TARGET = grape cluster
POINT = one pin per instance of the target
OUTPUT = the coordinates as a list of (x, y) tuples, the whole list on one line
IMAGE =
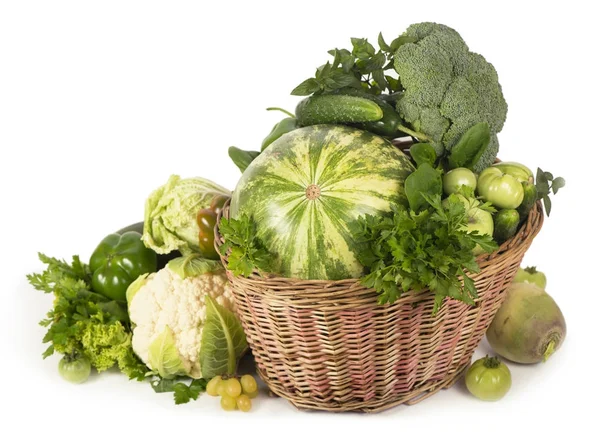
[(235, 393)]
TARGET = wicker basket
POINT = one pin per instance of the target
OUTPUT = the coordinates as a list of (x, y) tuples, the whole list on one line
[(327, 344)]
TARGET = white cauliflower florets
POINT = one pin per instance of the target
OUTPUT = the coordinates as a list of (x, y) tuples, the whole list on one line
[(165, 299)]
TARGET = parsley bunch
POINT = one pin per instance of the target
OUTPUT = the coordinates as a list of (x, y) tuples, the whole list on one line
[(246, 252), (83, 322), (412, 251)]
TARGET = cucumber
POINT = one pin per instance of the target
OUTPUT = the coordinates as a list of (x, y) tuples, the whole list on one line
[(506, 222), (529, 198), (387, 125), (162, 259), (334, 109)]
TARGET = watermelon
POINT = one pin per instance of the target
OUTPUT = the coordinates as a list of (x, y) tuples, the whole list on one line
[(304, 191)]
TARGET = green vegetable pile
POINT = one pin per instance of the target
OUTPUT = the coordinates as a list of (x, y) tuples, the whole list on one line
[(386, 172), (437, 86), (85, 324), (425, 84), (137, 311)]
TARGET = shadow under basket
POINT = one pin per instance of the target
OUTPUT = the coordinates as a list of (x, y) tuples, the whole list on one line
[(328, 345)]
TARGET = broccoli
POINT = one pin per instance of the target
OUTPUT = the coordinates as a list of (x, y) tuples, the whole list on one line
[(447, 89)]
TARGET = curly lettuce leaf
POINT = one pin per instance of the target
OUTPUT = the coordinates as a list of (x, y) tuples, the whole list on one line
[(223, 341)]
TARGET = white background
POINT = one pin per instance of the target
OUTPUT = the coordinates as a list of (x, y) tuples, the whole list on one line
[(101, 101)]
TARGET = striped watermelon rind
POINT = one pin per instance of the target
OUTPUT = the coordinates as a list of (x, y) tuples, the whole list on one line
[(304, 191)]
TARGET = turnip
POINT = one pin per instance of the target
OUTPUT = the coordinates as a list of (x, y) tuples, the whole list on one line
[(529, 326)]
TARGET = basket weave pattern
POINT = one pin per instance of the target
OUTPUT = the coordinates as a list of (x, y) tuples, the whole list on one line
[(328, 345)]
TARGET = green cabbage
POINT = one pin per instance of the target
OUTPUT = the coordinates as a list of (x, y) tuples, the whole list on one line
[(170, 213), (223, 341), (163, 356)]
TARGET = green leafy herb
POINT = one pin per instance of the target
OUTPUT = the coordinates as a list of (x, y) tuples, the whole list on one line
[(242, 158), (544, 183), (246, 253), (423, 182), (182, 391), (362, 68), (471, 146), (85, 322), (223, 341), (412, 251)]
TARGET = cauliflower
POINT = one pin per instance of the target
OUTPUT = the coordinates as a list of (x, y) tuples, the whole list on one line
[(169, 311)]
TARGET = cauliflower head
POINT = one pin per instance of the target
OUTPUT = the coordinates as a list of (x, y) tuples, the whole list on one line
[(169, 312)]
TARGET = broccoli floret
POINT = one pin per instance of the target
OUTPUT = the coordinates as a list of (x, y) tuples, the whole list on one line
[(448, 89)]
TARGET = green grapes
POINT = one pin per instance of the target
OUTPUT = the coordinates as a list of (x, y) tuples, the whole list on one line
[(228, 403), (212, 388), (243, 403)]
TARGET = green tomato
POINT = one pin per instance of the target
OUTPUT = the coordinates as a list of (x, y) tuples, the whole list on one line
[(488, 379), (516, 170), (531, 275), (456, 178), (206, 220), (502, 190), (75, 369)]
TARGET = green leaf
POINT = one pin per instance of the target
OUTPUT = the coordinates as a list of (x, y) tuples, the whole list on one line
[(470, 147), (162, 385), (379, 78), (557, 184), (306, 87), (242, 158), (361, 48), (194, 265), (423, 153), (339, 79), (394, 84), (424, 181), (402, 39), (337, 57), (223, 341), (245, 251), (547, 204), (382, 44), (48, 352), (545, 181), (323, 71), (164, 357), (184, 393)]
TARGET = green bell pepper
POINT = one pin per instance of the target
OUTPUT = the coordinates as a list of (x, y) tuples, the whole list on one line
[(284, 126), (117, 261)]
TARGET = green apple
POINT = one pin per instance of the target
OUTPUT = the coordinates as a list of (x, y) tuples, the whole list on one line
[(480, 221)]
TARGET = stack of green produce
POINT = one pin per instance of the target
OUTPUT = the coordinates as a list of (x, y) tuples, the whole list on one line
[(328, 196), (157, 306)]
